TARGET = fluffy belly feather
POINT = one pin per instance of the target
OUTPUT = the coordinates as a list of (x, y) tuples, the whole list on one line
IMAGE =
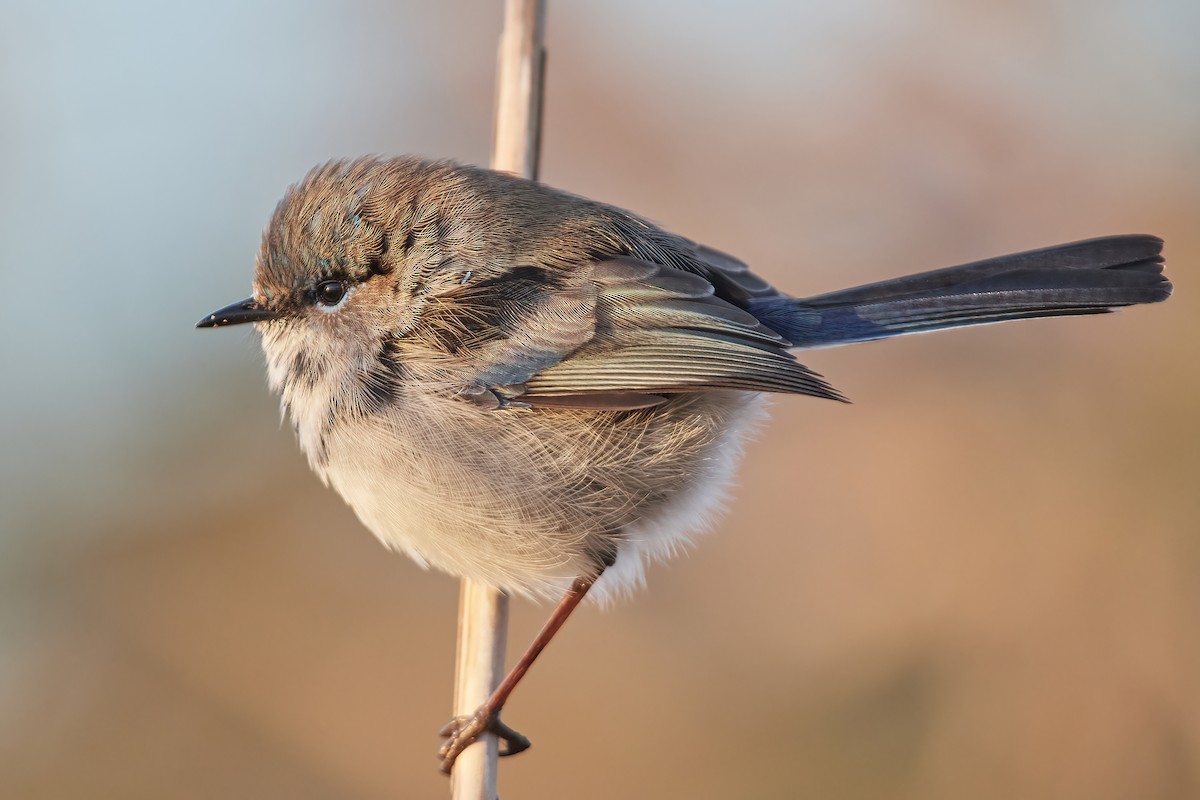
[(528, 500)]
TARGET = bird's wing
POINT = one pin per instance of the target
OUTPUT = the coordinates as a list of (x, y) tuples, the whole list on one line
[(502, 330), (730, 277), (658, 330)]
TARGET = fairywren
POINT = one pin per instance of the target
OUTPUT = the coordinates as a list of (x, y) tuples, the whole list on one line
[(545, 393)]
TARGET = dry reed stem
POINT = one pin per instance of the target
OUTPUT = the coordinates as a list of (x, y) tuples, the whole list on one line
[(483, 612)]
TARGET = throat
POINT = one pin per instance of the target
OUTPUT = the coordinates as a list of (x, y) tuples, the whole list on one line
[(310, 408), (322, 389)]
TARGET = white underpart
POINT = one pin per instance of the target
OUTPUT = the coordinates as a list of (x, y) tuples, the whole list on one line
[(673, 528), (400, 471)]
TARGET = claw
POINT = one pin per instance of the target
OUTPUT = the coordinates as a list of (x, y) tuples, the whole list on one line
[(461, 732)]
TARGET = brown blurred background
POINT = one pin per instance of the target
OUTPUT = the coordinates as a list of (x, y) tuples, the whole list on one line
[(981, 580)]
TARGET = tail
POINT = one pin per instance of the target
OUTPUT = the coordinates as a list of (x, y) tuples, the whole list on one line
[(1089, 277)]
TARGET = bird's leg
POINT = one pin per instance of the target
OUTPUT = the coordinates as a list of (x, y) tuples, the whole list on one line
[(462, 731)]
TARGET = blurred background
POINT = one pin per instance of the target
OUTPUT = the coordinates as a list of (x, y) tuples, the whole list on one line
[(981, 580)]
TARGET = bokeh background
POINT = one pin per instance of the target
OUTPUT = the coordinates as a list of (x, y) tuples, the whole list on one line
[(981, 580)]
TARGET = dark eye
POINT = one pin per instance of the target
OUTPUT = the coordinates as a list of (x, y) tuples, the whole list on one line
[(330, 293)]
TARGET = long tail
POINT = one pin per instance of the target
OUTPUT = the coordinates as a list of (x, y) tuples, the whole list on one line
[(1088, 277)]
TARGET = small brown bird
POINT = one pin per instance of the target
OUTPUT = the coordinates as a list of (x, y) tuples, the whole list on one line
[(545, 393)]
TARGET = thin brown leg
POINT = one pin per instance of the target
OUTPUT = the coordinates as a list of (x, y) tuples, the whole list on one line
[(462, 731)]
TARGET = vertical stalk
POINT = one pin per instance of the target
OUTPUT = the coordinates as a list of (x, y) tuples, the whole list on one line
[(483, 612)]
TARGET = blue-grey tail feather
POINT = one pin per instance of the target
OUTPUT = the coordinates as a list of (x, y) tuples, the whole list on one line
[(1088, 277)]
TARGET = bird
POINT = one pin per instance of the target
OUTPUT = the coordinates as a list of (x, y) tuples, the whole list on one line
[(545, 393)]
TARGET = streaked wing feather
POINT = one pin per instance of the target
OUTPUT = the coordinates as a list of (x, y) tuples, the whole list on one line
[(508, 329), (659, 329), (731, 276), (597, 401)]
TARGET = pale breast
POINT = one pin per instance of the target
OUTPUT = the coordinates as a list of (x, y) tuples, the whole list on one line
[(528, 500)]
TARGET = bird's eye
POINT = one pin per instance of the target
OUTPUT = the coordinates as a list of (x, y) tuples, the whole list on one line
[(330, 293)]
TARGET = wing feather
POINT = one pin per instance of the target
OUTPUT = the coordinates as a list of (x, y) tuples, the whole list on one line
[(662, 330)]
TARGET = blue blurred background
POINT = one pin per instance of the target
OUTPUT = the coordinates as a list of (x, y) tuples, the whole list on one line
[(981, 580)]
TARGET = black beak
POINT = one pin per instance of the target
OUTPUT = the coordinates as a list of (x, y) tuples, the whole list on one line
[(236, 314)]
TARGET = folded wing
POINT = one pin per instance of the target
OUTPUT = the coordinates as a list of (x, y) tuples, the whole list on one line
[(660, 330)]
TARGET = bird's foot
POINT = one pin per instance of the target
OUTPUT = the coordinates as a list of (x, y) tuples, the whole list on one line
[(461, 732)]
